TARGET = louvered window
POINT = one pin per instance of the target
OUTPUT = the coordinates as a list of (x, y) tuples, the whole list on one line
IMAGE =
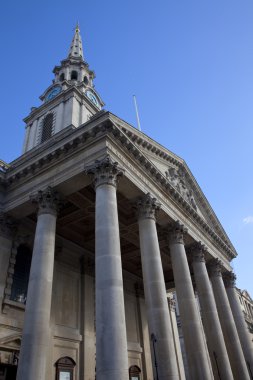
[(21, 274), (74, 75), (47, 127)]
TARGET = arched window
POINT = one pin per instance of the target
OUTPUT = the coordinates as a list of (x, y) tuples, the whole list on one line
[(74, 75), (62, 77), (134, 373), (21, 274), (85, 80), (47, 127), (65, 368)]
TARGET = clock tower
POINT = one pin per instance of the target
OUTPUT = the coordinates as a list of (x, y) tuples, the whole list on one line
[(69, 101)]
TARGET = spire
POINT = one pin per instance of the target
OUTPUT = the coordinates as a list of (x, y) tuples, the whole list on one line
[(76, 48)]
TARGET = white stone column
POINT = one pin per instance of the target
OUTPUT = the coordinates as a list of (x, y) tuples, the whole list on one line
[(111, 341), (197, 355), (232, 341), (215, 340), (242, 329), (173, 321), (36, 331), (88, 347), (155, 292)]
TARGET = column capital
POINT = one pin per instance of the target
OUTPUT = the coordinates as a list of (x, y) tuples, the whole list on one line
[(48, 201), (176, 233), (105, 172), (197, 251), (8, 226), (147, 207), (229, 279), (214, 267)]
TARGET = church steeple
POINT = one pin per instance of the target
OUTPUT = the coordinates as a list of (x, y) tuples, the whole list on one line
[(69, 101), (76, 48)]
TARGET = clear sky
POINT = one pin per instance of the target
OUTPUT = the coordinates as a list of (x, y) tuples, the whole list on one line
[(190, 64)]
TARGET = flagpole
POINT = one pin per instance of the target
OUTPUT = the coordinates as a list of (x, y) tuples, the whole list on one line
[(137, 113)]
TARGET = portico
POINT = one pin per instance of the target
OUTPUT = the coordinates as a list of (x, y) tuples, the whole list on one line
[(112, 221)]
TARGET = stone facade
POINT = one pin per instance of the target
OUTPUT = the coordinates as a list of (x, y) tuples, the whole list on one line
[(98, 222)]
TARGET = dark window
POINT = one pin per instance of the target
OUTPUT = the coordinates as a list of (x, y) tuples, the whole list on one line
[(134, 373), (21, 274), (47, 127), (62, 77), (74, 75), (65, 368), (85, 80)]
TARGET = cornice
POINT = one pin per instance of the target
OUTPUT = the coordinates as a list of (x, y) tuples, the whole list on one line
[(65, 141), (172, 192), (71, 139), (158, 150)]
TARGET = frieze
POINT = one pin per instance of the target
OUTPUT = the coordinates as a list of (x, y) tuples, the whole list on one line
[(82, 135)]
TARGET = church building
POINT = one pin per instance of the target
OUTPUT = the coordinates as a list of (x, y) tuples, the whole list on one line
[(99, 223)]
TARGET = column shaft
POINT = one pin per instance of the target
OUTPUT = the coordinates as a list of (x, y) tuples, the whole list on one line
[(196, 351), (156, 302), (111, 340), (36, 331), (232, 341), (215, 341), (240, 322)]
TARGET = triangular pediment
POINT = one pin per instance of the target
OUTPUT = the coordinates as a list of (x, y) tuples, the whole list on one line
[(12, 341), (177, 174)]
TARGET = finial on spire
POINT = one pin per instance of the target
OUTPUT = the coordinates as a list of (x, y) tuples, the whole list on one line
[(76, 48)]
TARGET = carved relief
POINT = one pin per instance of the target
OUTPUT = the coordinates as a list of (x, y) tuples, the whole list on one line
[(176, 178), (197, 251), (176, 233), (147, 207), (229, 279), (105, 171), (214, 267), (48, 201)]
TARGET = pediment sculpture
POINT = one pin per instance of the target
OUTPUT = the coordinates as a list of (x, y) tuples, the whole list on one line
[(177, 179)]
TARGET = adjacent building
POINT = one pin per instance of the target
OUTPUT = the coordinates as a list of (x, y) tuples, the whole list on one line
[(98, 223)]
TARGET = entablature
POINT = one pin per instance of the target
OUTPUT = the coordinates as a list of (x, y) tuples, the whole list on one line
[(69, 142)]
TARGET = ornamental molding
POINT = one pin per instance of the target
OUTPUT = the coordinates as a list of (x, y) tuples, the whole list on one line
[(214, 267), (73, 140), (176, 178), (105, 172), (159, 151), (229, 279), (147, 207), (48, 201), (176, 233), (197, 251)]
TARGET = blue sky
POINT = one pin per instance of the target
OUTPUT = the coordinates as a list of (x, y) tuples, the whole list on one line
[(190, 64)]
